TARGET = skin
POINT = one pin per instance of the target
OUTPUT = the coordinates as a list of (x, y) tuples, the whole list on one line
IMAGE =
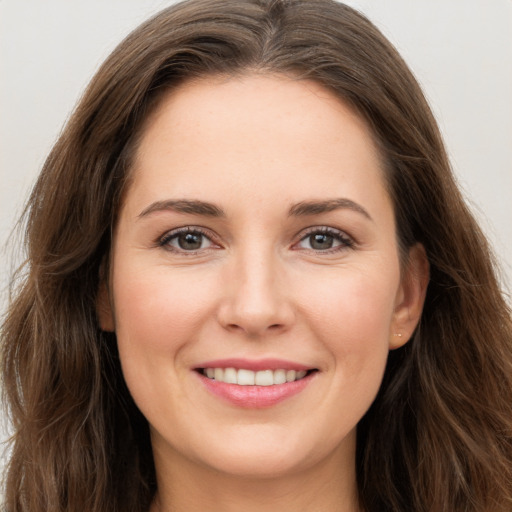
[(258, 287)]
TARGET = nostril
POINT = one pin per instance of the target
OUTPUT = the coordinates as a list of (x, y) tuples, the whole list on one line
[(234, 327), (237, 327)]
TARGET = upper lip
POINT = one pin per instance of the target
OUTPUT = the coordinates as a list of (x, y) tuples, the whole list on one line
[(254, 364)]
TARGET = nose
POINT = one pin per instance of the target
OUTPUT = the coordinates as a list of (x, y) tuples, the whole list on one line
[(256, 299)]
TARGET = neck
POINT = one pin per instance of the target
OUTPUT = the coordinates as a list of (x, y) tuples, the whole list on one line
[(184, 486)]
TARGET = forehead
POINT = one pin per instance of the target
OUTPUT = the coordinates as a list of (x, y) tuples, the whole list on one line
[(253, 100), (218, 133)]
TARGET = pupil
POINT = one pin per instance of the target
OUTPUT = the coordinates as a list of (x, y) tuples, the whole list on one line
[(321, 241), (190, 241)]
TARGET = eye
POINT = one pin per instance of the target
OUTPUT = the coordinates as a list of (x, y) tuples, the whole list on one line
[(187, 239), (325, 240)]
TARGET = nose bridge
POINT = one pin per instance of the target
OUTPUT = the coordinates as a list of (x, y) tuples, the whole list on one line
[(257, 299)]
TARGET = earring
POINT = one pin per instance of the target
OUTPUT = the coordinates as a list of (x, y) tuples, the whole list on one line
[(399, 335)]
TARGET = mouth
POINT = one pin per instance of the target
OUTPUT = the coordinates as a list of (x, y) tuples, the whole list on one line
[(254, 384), (246, 377)]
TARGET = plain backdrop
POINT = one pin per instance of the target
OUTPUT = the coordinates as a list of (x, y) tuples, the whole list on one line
[(460, 50)]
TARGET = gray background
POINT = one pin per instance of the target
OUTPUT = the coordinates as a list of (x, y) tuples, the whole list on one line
[(460, 50)]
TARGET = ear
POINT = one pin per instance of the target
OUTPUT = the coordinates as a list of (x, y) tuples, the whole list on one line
[(104, 309), (410, 297)]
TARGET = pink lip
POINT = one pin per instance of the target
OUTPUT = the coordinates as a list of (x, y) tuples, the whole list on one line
[(254, 365), (254, 397)]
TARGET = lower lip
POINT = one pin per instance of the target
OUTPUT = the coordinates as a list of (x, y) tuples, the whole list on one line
[(255, 397)]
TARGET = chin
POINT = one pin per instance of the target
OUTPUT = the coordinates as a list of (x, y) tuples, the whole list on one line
[(261, 464), (265, 451)]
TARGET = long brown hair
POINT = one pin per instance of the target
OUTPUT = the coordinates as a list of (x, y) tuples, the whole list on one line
[(439, 435)]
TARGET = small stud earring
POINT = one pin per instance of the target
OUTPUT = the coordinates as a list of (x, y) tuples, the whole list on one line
[(399, 335)]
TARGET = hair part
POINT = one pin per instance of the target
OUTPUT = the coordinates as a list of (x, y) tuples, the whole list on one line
[(438, 436)]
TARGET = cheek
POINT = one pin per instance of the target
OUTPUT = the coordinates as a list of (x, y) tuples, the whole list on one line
[(156, 318), (353, 305), (352, 319), (158, 314), (155, 311)]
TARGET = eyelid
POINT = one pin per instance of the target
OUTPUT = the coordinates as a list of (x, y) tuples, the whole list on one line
[(163, 240), (346, 241)]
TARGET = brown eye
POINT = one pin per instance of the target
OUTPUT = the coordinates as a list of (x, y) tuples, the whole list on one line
[(190, 241), (321, 241), (325, 240), (186, 240)]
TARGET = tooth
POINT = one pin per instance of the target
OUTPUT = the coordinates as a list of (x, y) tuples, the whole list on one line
[(245, 378), (279, 376), (290, 375), (264, 378), (230, 376)]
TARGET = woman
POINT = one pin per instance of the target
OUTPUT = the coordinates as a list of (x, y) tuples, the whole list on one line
[(246, 248)]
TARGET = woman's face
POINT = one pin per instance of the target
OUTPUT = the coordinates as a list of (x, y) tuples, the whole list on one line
[(256, 288)]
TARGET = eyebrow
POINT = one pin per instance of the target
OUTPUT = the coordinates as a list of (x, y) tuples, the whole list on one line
[(203, 208), (329, 205), (193, 207)]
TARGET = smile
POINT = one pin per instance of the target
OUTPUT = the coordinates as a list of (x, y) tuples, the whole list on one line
[(244, 377), (254, 384)]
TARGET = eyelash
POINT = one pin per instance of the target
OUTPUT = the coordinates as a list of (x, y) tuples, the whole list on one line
[(164, 241), (345, 241)]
